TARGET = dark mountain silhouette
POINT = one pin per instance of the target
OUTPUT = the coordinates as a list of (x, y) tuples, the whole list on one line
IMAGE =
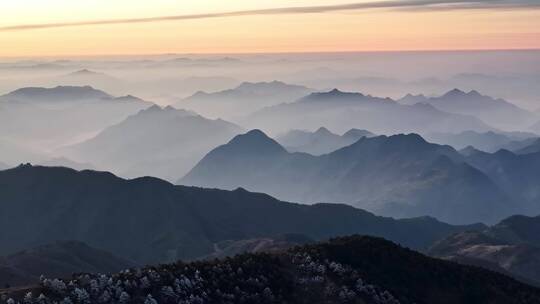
[(487, 142), (58, 260), (354, 269), (46, 118), (321, 141), (341, 111), (496, 112), (516, 174), (244, 99), (512, 246), (66, 162), (148, 220), (401, 175), (162, 142)]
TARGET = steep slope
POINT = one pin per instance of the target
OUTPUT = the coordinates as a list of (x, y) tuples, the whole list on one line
[(161, 142), (341, 111), (400, 175), (244, 99), (321, 141), (512, 247), (59, 259), (496, 112), (47, 118), (149, 220), (346, 270)]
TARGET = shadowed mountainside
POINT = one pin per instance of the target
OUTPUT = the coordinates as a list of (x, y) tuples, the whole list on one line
[(172, 222)]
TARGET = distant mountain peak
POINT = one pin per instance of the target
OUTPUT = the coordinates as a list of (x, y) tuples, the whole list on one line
[(153, 108), (256, 140), (357, 133), (333, 95), (84, 72), (469, 151), (411, 137), (457, 93), (474, 93), (323, 131), (454, 93)]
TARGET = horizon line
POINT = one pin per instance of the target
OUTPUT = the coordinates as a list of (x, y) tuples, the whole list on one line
[(281, 52)]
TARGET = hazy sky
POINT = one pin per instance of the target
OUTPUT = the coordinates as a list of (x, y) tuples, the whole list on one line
[(402, 25)]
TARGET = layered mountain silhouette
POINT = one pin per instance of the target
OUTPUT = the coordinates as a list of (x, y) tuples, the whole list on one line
[(148, 220), (516, 174), (512, 246), (533, 147), (411, 99), (487, 142), (341, 111), (244, 99), (161, 142), (321, 141), (401, 175), (354, 269), (60, 259), (60, 94), (496, 112), (46, 118)]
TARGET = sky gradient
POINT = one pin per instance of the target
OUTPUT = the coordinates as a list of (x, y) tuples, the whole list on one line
[(243, 26)]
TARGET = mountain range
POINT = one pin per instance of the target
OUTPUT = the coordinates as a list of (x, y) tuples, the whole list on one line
[(495, 112), (516, 174), (400, 175), (511, 246), (321, 141), (171, 222), (488, 141), (47, 118), (160, 142), (341, 111), (246, 98)]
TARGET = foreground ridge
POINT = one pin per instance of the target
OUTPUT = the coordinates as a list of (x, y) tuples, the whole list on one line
[(353, 269)]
